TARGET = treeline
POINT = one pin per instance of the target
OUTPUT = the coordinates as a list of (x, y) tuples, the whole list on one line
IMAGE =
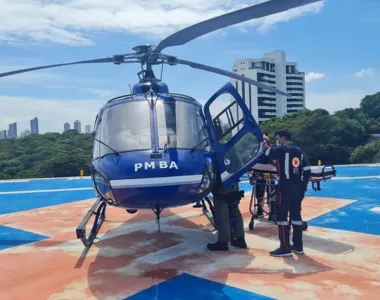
[(46, 155), (341, 138)]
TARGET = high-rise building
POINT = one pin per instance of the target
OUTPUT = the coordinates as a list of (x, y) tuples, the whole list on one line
[(78, 126), (3, 134), (12, 131), (66, 126), (34, 126), (275, 71), (25, 133), (87, 129)]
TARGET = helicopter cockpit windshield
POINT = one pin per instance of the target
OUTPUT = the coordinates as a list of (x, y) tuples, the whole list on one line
[(126, 127), (180, 125)]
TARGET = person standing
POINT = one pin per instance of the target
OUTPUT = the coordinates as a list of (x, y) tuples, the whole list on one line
[(294, 174), (226, 206)]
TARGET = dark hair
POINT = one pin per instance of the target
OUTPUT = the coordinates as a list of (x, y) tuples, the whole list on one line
[(265, 133), (284, 133)]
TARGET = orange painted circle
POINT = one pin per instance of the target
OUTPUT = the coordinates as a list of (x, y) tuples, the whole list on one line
[(296, 162)]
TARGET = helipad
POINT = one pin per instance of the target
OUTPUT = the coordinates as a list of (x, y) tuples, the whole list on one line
[(40, 257)]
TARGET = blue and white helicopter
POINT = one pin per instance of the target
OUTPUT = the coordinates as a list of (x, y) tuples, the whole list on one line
[(153, 149)]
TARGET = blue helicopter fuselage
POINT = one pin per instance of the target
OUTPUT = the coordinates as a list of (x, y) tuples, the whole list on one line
[(137, 182), (152, 151)]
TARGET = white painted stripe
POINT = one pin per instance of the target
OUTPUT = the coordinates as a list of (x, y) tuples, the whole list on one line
[(376, 210), (359, 177), (46, 191), (14, 180), (156, 181)]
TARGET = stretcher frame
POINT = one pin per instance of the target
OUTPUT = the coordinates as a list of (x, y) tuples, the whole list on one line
[(271, 176), (270, 183)]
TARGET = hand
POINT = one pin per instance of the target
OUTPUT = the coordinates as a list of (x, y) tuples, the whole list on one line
[(266, 141)]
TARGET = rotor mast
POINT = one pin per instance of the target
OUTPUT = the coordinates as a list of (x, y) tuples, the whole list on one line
[(147, 79)]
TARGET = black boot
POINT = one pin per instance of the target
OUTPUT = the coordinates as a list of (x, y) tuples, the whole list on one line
[(239, 242), (284, 249), (297, 246), (218, 246)]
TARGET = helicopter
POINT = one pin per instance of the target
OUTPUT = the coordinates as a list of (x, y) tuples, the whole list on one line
[(154, 149)]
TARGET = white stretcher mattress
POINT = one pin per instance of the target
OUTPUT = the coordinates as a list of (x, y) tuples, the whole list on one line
[(316, 172)]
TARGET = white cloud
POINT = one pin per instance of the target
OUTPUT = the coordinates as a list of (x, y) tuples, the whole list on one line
[(334, 101), (49, 80), (365, 72), (74, 22), (98, 92), (52, 113), (313, 76)]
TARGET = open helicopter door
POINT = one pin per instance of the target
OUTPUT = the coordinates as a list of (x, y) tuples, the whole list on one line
[(236, 136)]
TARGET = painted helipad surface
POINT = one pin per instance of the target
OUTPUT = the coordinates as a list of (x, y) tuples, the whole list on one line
[(40, 257)]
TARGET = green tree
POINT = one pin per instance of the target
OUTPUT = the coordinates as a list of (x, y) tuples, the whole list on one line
[(323, 136), (369, 153), (46, 155)]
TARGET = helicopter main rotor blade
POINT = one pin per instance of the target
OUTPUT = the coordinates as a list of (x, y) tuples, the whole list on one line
[(115, 59), (252, 12), (232, 75)]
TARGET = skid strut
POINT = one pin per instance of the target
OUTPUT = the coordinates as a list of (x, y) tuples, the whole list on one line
[(208, 211), (100, 215), (158, 212)]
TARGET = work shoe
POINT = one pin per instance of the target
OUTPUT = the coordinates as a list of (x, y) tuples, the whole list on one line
[(239, 242), (297, 250), (218, 246), (281, 252)]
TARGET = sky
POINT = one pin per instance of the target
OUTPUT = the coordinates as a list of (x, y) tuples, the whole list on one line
[(334, 42)]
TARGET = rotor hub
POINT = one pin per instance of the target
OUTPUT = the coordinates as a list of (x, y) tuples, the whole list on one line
[(142, 48)]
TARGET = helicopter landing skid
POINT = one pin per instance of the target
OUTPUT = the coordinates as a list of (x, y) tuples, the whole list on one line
[(100, 216)]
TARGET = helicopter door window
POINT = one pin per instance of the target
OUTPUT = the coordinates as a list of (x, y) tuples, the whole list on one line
[(179, 125), (241, 152), (228, 119), (125, 127)]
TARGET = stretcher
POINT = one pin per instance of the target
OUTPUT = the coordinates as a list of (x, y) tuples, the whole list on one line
[(266, 175)]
